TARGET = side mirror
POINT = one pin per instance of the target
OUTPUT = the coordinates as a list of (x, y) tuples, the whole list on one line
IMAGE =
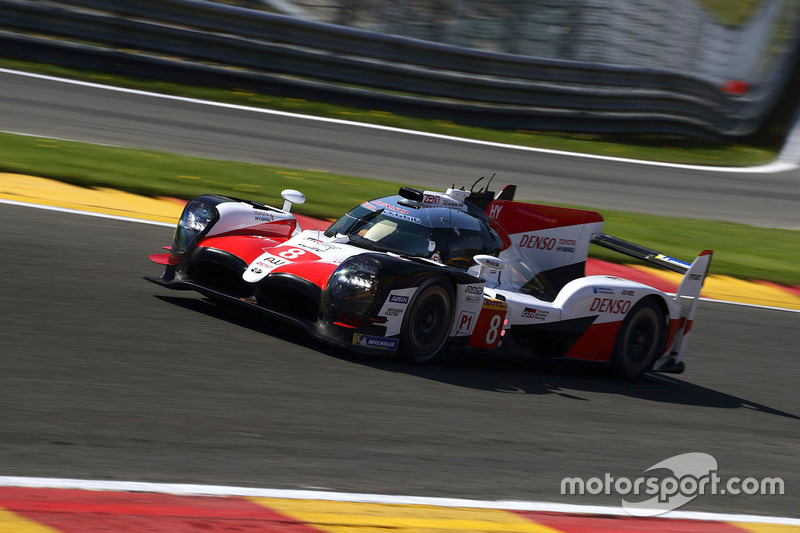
[(488, 261), (292, 196)]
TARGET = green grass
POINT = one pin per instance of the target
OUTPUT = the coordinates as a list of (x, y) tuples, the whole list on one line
[(155, 173), (641, 147), (741, 251)]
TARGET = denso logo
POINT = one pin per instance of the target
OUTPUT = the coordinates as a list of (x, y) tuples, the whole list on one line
[(537, 242), (473, 289), (610, 305)]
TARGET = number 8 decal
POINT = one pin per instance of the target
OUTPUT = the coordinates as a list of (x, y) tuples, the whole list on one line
[(292, 253), (494, 329)]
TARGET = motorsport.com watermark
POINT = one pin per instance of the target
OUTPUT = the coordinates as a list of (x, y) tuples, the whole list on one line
[(693, 474)]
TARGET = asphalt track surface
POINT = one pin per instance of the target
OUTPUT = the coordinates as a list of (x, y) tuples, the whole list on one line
[(49, 108), (106, 376)]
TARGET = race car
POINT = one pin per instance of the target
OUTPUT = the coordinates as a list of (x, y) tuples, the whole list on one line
[(424, 272)]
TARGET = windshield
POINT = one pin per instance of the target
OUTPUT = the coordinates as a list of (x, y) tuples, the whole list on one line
[(384, 229)]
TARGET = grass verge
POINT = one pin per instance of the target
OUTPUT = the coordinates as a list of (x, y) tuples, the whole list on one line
[(741, 251), (692, 152)]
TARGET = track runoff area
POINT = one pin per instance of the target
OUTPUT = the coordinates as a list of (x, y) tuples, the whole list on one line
[(41, 505)]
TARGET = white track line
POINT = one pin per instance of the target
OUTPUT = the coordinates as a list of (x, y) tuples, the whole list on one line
[(86, 213), (506, 505), (172, 225), (788, 160)]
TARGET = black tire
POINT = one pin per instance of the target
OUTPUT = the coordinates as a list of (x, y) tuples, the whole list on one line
[(427, 321), (640, 340)]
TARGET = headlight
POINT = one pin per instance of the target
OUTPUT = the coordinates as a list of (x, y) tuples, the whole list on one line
[(196, 217), (355, 278)]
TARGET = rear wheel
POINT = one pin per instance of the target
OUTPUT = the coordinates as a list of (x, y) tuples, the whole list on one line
[(427, 322), (639, 340)]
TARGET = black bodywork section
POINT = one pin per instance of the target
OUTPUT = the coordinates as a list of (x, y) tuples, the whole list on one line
[(551, 339), (218, 274)]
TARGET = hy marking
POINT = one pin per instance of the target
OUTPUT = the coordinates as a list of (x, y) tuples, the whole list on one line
[(789, 159), (505, 505)]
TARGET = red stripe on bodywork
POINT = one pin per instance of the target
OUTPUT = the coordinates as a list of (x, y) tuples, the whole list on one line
[(517, 217), (316, 272), (596, 267), (246, 247), (626, 524), (674, 326), (597, 343), (79, 511), (163, 259)]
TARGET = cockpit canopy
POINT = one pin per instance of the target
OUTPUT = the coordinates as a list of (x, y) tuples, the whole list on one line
[(445, 234)]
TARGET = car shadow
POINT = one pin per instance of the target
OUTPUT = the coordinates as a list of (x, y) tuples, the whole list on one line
[(566, 378)]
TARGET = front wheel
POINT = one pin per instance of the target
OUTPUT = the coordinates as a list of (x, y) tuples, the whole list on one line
[(639, 340), (426, 325)]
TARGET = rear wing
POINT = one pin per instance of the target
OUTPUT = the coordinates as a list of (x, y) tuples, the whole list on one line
[(694, 274), (640, 252)]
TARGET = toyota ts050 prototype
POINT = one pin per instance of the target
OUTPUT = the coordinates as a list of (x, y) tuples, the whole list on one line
[(423, 272)]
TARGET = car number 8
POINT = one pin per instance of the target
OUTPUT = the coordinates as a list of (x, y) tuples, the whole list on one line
[(494, 327), (292, 253)]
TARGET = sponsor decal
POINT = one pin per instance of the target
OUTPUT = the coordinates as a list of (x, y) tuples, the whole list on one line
[(390, 207), (256, 270), (695, 277), (401, 216), (494, 211), (395, 299), (472, 299), (473, 289), (628, 293), (393, 311), (537, 242), (465, 321), (670, 260), (567, 242), (536, 314), (391, 210), (378, 343), (493, 303), (602, 290), (263, 216), (435, 199), (315, 245), (494, 263), (566, 249), (610, 305), (271, 262)]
